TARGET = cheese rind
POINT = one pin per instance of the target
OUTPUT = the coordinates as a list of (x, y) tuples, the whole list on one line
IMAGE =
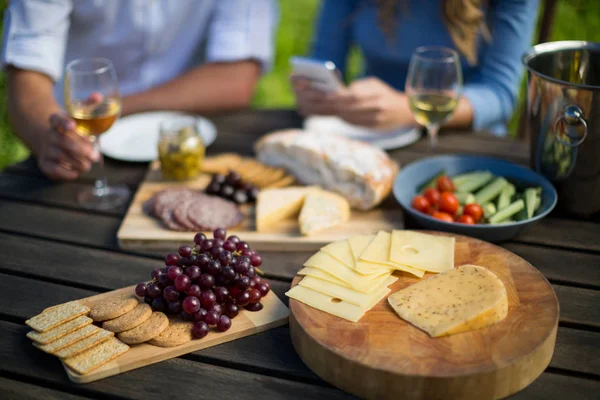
[(426, 252), (459, 300), (378, 253), (346, 294)]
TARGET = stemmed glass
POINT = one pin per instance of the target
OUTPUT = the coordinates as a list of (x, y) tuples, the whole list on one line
[(92, 100), (433, 86)]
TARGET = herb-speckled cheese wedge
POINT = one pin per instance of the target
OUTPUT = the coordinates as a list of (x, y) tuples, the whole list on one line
[(462, 299)]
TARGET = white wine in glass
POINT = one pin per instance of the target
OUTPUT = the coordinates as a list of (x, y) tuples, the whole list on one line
[(92, 100), (433, 86)]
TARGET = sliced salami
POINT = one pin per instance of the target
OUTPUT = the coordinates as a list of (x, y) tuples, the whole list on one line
[(169, 199), (211, 212), (180, 214)]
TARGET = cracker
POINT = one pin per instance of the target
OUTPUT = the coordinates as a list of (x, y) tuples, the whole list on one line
[(57, 315), (68, 340), (100, 336), (271, 175), (148, 330), (130, 319), (221, 163), (250, 169), (59, 331), (178, 332), (283, 182), (97, 356), (113, 307)]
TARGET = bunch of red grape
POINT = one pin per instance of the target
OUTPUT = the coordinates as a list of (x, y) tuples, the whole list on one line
[(208, 283)]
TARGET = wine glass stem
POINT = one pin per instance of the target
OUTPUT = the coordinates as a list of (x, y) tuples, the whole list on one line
[(433, 135), (100, 184)]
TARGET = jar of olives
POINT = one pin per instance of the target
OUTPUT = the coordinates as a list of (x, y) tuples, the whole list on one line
[(180, 148)]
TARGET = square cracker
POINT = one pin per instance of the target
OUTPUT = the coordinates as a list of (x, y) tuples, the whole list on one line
[(69, 339), (96, 356), (57, 315), (283, 182), (59, 331), (82, 345), (221, 163)]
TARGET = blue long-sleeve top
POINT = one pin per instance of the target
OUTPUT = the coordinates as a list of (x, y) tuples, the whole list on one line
[(491, 86)]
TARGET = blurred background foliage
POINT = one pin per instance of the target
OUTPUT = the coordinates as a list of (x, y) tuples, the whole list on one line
[(574, 19)]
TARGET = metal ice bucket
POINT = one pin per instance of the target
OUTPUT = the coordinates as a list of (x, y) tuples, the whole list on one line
[(563, 120)]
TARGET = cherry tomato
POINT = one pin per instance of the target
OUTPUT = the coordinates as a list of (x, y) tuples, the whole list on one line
[(420, 203), (433, 195), (442, 216), (448, 203), (474, 210), (466, 219), (432, 210), (445, 184)]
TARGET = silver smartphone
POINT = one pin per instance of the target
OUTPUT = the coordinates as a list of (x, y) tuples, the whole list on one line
[(323, 74)]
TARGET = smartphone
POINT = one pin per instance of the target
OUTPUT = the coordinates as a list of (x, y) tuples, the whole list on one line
[(323, 74)]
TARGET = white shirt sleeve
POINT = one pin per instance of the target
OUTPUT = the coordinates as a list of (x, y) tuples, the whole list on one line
[(241, 30), (35, 35)]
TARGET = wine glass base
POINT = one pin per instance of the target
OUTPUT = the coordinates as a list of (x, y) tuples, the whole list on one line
[(110, 197)]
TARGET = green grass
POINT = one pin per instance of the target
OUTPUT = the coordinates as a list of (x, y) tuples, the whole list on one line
[(575, 19)]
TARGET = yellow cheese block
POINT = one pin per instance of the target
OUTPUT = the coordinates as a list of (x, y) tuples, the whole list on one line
[(378, 252), (327, 263), (340, 250), (276, 205), (459, 300), (322, 275), (332, 305), (322, 210), (349, 295), (419, 250)]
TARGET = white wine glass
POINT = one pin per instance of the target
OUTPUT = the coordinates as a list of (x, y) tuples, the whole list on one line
[(92, 100), (433, 87)]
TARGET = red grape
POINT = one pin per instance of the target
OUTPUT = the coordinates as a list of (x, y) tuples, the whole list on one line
[(242, 298), (256, 260), (252, 284), (174, 307), (155, 272), (217, 308), (153, 291), (228, 274), (242, 265), (240, 246), (220, 233), (233, 239), (199, 238), (251, 272), (255, 296), (254, 307), (263, 288), (194, 290), (243, 283), (140, 289), (225, 257), (247, 252), (211, 318), (193, 272), (193, 259), (206, 281), (213, 267), (234, 291), (171, 259), (218, 242), (224, 323), (185, 250), (174, 271), (158, 304), (190, 304), (163, 280), (207, 244), (200, 314), (200, 329), (208, 299), (182, 283), (170, 293), (229, 246), (231, 310), (221, 293), (215, 251), (202, 260)]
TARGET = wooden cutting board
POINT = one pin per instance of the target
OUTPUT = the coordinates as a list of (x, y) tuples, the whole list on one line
[(141, 232), (273, 314), (385, 357)]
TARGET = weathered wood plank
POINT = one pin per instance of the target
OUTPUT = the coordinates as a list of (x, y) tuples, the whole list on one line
[(578, 306), (578, 351), (564, 233), (554, 386), (16, 390), (176, 377)]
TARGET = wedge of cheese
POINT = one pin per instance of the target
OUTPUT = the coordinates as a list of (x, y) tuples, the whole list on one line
[(459, 300), (276, 205), (344, 293), (322, 210), (426, 252), (378, 252)]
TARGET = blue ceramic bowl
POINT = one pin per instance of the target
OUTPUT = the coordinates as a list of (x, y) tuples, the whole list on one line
[(415, 174)]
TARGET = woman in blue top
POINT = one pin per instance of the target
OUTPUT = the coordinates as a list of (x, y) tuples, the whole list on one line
[(490, 39)]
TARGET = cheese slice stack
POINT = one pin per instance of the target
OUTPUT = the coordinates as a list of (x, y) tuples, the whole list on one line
[(462, 299)]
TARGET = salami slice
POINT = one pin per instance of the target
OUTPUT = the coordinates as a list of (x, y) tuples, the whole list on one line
[(169, 199), (180, 214), (211, 212)]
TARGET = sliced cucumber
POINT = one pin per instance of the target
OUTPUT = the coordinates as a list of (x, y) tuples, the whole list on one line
[(465, 198), (473, 182), (531, 194), (491, 191), (431, 182), (461, 178), (505, 196), (507, 212), (489, 209)]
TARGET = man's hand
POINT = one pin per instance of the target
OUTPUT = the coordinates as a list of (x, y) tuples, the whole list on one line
[(63, 153)]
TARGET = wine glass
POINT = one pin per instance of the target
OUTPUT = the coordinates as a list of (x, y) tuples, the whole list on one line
[(92, 100), (433, 86)]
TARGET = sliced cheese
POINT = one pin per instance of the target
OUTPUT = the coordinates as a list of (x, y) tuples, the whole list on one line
[(459, 300), (341, 292), (332, 305), (322, 210), (320, 274), (340, 250), (378, 252), (358, 244), (276, 205), (422, 251), (327, 263)]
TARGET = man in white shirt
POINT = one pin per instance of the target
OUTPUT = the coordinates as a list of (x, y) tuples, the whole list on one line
[(198, 56)]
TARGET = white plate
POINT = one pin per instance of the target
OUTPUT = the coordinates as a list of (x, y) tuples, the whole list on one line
[(135, 137), (384, 139)]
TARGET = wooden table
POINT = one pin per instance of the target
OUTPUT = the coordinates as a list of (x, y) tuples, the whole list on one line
[(52, 251)]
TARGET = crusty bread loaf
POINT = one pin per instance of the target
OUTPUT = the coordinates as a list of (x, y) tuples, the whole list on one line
[(360, 172)]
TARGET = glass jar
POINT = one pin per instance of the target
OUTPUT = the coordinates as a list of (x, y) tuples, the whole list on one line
[(180, 148)]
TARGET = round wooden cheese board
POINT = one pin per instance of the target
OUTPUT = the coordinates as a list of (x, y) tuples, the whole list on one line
[(384, 357)]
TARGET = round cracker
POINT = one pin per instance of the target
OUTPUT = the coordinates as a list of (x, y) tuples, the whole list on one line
[(113, 307), (178, 332), (129, 320), (147, 330)]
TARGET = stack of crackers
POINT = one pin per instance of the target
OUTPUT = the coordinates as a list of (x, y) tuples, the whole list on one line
[(250, 170)]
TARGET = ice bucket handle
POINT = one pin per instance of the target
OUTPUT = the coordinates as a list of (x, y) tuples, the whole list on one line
[(572, 116)]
